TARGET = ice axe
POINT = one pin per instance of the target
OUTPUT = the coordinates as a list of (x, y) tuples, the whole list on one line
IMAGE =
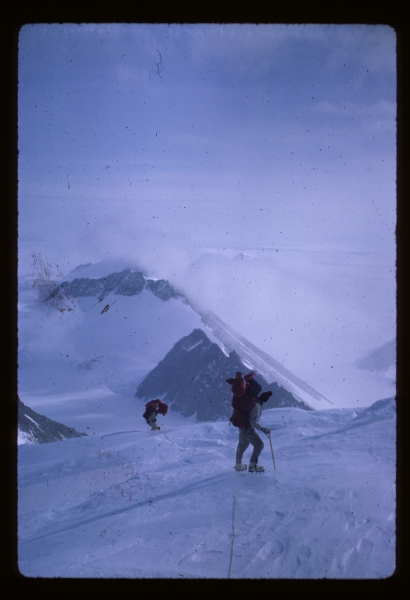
[(271, 449)]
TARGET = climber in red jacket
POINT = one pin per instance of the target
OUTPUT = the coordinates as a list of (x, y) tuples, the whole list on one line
[(152, 409)]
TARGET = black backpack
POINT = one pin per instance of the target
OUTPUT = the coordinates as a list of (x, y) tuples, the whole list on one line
[(253, 389)]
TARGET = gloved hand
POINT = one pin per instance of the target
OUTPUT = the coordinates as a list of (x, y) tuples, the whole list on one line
[(266, 430), (264, 397)]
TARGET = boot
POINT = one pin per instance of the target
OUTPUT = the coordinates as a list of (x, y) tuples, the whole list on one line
[(155, 428), (240, 467), (254, 468)]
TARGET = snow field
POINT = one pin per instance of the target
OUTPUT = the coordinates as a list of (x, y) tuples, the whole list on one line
[(83, 349), (161, 505)]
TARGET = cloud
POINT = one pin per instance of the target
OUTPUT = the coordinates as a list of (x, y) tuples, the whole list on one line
[(248, 46), (376, 110), (372, 47), (160, 254), (201, 157)]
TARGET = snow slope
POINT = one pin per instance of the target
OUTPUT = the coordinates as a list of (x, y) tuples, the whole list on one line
[(87, 349), (168, 504)]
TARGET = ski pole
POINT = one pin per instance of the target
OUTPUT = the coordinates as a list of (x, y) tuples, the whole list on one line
[(271, 448)]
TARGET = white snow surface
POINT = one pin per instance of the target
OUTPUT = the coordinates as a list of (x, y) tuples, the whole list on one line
[(82, 350), (134, 503)]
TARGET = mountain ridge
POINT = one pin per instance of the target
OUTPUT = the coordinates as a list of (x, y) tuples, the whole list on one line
[(130, 282), (192, 378), (124, 283), (261, 361), (34, 428), (119, 328)]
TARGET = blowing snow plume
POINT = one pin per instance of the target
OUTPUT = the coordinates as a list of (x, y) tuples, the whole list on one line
[(261, 362)]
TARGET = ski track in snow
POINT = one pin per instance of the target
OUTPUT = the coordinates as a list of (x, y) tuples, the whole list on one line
[(110, 506)]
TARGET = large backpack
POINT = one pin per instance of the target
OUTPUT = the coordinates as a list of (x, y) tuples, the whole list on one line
[(253, 389), (241, 409), (150, 408), (238, 385), (243, 403)]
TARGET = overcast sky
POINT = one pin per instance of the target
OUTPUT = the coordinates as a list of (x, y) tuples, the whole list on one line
[(184, 147), (222, 136)]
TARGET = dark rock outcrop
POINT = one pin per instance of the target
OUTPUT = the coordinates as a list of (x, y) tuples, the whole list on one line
[(192, 379), (38, 429), (126, 283)]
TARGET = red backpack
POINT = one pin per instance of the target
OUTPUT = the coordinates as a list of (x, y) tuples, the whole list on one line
[(150, 408), (242, 403), (238, 385), (241, 409)]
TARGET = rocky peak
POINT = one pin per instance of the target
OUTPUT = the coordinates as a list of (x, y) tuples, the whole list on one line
[(34, 428), (125, 283), (192, 379)]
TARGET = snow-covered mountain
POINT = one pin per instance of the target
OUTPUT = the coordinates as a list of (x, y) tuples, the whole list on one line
[(93, 333), (261, 362), (381, 359), (34, 428), (192, 379), (125, 283), (99, 332)]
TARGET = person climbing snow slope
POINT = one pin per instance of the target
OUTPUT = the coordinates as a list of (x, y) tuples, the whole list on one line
[(152, 409), (247, 412)]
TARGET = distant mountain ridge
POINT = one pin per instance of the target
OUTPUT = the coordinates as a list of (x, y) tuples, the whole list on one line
[(125, 283), (380, 359), (145, 337), (34, 428), (132, 282), (192, 379), (267, 366)]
